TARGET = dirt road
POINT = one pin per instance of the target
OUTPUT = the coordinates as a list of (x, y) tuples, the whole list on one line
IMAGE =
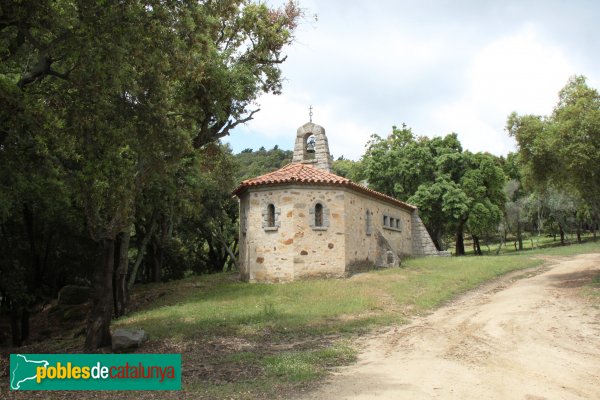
[(529, 335)]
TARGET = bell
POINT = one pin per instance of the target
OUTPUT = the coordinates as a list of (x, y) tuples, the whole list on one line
[(310, 145)]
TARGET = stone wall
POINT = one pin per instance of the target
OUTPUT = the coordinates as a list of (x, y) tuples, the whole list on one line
[(318, 251), (422, 245), (296, 248), (266, 255), (372, 245)]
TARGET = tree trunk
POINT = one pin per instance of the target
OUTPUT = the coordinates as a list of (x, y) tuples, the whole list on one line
[(221, 238), (120, 275), (212, 257), (235, 250), (156, 256), (16, 311), (519, 236), (35, 279), (562, 234), (141, 251), (159, 242), (3, 301), (19, 323), (476, 246), (439, 241), (501, 243), (25, 323), (98, 323), (460, 241), (29, 220), (540, 223), (579, 232)]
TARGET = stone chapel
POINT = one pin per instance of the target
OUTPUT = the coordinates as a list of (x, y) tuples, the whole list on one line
[(304, 221)]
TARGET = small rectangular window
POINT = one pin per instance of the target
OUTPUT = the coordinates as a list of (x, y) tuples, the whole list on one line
[(318, 214), (319, 217), (271, 216), (392, 223)]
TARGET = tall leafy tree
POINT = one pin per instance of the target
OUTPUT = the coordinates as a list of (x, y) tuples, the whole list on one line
[(455, 190), (515, 209), (443, 206), (564, 148), (398, 164), (483, 182), (131, 89)]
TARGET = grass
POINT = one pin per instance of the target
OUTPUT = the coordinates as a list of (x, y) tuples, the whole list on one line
[(573, 249), (220, 305), (298, 366), (293, 333), (530, 243), (315, 307)]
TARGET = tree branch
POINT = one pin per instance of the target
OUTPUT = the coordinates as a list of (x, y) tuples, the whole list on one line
[(232, 124), (218, 130), (269, 61), (40, 70)]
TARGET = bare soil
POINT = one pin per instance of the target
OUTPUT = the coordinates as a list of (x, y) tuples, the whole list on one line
[(528, 335)]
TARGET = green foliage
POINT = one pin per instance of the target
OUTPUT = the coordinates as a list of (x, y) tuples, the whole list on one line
[(398, 164), (348, 169), (255, 163), (453, 189), (441, 205), (563, 149), (107, 109)]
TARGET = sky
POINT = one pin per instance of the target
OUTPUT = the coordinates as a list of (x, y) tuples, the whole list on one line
[(437, 66)]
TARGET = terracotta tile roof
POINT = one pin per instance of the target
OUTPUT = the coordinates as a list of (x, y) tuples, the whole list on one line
[(307, 174)]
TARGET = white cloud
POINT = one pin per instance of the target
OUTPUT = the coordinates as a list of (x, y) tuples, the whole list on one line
[(516, 73), (440, 68), (281, 115), (519, 72)]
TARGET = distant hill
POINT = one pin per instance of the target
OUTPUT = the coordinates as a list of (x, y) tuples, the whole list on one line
[(254, 163)]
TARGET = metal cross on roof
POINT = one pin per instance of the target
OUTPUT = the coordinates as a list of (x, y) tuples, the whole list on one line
[(310, 113)]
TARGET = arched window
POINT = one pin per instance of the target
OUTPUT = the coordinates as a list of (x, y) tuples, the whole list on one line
[(270, 215), (319, 214), (311, 143)]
